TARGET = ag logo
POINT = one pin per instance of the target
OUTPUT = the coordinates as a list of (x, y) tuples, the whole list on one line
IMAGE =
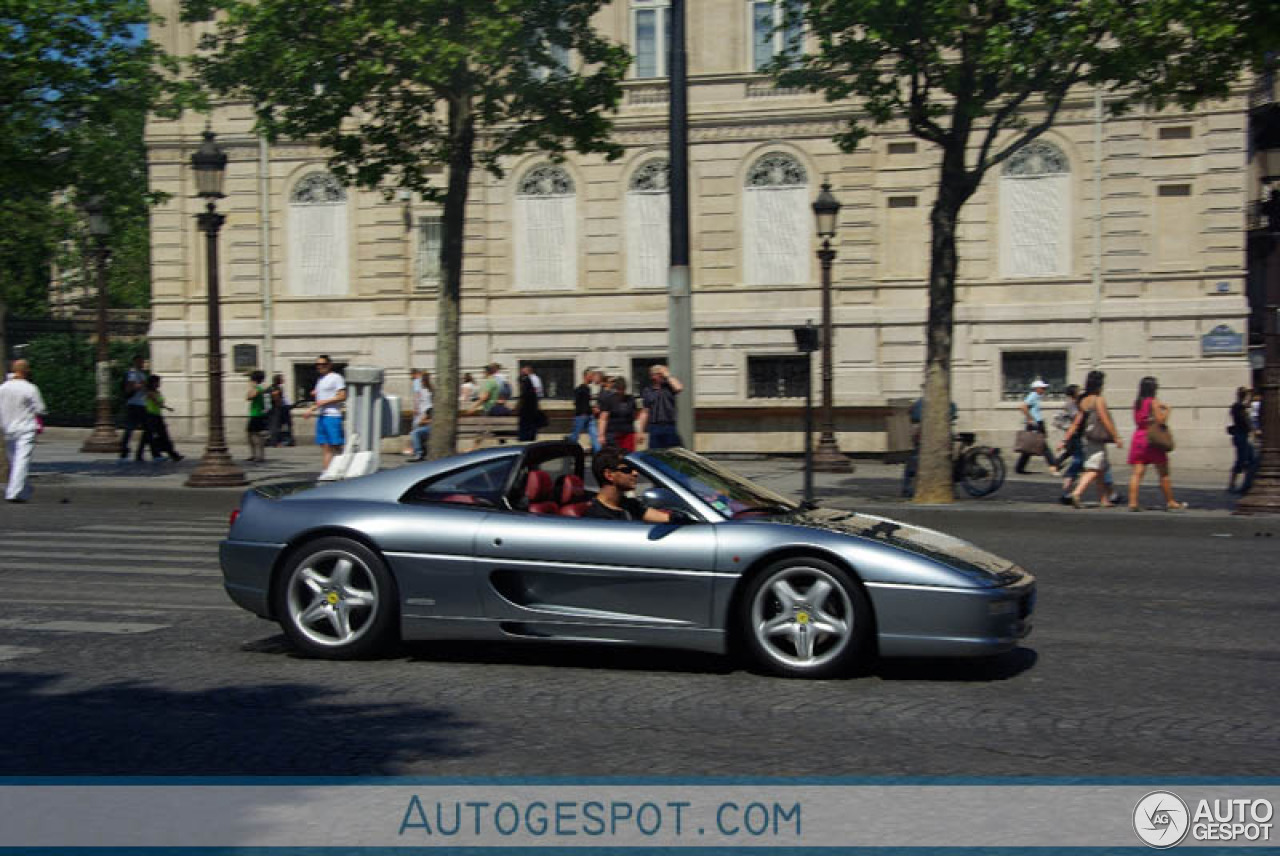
[(1161, 819)]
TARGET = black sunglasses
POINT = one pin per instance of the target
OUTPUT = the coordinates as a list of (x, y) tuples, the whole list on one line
[(625, 469)]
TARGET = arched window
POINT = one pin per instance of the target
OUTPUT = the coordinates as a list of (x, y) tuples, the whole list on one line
[(776, 222), (1035, 212), (648, 229), (318, 243), (546, 229)]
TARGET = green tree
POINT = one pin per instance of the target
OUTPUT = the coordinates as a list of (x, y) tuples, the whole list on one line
[(77, 79), (980, 79), (395, 89)]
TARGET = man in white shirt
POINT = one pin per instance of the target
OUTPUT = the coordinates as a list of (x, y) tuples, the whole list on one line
[(20, 404), (330, 391)]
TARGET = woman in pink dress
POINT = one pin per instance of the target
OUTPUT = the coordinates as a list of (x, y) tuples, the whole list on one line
[(1147, 410)]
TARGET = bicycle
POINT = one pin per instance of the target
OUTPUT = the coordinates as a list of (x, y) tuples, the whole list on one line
[(978, 469)]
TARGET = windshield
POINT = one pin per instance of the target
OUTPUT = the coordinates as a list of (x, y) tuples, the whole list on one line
[(727, 492)]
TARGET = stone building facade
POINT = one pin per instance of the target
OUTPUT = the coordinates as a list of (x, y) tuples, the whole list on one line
[(1112, 242)]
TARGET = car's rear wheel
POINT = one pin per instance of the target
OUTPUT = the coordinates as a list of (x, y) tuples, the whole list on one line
[(336, 600), (805, 617)]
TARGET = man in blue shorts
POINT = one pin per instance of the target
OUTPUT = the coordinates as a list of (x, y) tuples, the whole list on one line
[(330, 391)]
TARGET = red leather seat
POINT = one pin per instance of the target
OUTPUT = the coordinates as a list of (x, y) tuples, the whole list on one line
[(537, 493), (572, 496)]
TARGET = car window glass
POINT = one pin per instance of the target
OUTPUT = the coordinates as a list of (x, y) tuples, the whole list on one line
[(478, 484)]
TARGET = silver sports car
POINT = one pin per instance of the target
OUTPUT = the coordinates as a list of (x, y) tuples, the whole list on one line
[(493, 545)]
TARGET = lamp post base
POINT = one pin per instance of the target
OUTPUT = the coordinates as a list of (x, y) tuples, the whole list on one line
[(1264, 494), (828, 458), (104, 440), (216, 469)]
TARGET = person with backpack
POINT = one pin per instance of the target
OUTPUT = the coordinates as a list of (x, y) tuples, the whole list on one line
[(156, 432), (135, 403), (494, 392), (257, 398)]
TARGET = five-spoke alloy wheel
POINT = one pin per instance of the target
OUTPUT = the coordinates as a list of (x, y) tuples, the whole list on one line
[(335, 599), (806, 618)]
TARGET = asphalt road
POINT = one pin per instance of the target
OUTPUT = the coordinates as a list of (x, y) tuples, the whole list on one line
[(1154, 654)]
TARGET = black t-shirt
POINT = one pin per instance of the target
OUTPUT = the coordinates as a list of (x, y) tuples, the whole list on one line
[(622, 414), (632, 509), (582, 400)]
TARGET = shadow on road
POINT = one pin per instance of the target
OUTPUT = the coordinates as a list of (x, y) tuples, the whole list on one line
[(131, 728), (1001, 667), (570, 655)]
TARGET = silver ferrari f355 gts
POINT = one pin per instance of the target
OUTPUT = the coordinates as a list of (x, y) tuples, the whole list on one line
[(493, 545)]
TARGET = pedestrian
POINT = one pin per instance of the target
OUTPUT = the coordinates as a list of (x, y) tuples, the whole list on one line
[(135, 404), (617, 479), (1241, 431), (415, 389), (659, 414), (1034, 421), (327, 397), (1094, 424), (422, 405), (534, 379), (20, 410), (1073, 450), (256, 395), (466, 392), (618, 417), (280, 416), (1147, 412), (491, 398), (529, 411), (156, 433), (585, 412)]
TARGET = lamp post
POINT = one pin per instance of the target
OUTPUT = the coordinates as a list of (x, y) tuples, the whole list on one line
[(826, 209), (215, 468), (807, 343), (1264, 495), (104, 438)]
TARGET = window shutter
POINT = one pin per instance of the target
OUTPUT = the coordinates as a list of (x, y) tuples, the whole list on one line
[(777, 235), (648, 240)]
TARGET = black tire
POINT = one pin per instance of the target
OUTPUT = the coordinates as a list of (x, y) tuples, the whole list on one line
[(336, 600), (981, 471), (787, 639)]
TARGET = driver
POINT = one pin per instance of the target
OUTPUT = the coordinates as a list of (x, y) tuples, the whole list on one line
[(617, 478)]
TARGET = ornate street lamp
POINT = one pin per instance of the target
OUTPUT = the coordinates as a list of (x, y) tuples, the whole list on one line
[(215, 468), (826, 210), (104, 438)]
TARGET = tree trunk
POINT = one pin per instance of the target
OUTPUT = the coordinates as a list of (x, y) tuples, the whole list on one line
[(934, 480), (444, 419)]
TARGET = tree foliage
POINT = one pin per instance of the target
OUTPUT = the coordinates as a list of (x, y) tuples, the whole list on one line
[(77, 79), (980, 79), (397, 89)]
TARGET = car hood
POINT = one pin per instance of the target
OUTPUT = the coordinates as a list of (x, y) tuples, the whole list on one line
[(938, 546)]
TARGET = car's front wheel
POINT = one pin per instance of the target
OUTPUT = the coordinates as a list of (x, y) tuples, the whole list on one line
[(336, 600), (806, 618)]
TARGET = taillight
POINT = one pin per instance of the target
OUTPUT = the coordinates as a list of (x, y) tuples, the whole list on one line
[(235, 514)]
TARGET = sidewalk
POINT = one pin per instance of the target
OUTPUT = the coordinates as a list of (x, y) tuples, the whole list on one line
[(58, 462)]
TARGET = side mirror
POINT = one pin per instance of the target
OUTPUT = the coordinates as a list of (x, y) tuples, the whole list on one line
[(664, 499)]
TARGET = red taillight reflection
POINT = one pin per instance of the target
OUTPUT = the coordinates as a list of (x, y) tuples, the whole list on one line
[(235, 513)]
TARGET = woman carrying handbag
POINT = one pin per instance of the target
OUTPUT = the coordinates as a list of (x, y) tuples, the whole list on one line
[(1094, 423), (1151, 445)]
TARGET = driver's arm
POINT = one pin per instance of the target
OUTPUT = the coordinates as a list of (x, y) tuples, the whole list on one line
[(653, 515)]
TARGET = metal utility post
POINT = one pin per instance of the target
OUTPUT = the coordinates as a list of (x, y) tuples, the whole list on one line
[(807, 343), (1264, 495), (103, 439), (679, 282), (826, 209), (216, 468)]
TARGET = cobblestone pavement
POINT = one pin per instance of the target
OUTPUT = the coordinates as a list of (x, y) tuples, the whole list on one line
[(1154, 654)]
